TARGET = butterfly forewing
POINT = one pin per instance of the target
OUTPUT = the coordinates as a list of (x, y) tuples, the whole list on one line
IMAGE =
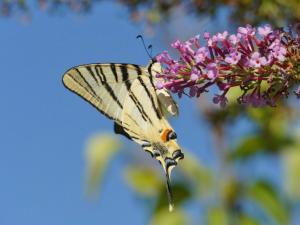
[(105, 86), (142, 118)]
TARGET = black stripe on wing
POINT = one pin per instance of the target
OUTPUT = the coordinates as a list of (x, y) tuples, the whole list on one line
[(82, 86), (114, 71), (104, 83), (92, 74), (83, 97), (131, 94), (151, 74), (155, 107), (100, 74), (125, 74), (132, 133), (87, 83), (139, 106)]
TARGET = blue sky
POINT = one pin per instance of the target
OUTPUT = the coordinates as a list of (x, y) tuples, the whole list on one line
[(44, 127)]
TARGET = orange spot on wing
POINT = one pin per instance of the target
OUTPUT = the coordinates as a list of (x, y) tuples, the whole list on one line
[(165, 134)]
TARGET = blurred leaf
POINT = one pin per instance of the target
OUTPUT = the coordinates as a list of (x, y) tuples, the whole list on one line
[(251, 145), (247, 147), (181, 192), (153, 16), (218, 117), (291, 167), (195, 172), (247, 220), (274, 119), (231, 191), (164, 217), (270, 134), (145, 181), (217, 216), (100, 150), (269, 200)]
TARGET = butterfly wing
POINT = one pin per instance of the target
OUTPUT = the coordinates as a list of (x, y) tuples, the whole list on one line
[(105, 86), (166, 102), (143, 121), (142, 111), (164, 97), (126, 94)]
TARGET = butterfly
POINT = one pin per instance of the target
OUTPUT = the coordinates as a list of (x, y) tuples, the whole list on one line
[(126, 94)]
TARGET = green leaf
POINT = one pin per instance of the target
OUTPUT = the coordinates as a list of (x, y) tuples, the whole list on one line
[(291, 168), (217, 216), (100, 150), (145, 181), (247, 220), (268, 199), (153, 15), (260, 142), (181, 192), (164, 217), (274, 121), (233, 94), (247, 147), (196, 173)]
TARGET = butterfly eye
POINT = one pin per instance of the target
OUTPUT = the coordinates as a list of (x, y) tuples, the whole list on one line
[(172, 135)]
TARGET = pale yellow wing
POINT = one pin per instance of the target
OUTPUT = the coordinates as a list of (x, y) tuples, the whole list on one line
[(164, 97), (105, 86), (167, 102), (142, 117)]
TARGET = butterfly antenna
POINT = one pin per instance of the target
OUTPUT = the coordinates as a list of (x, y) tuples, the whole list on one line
[(170, 193), (150, 47), (146, 49)]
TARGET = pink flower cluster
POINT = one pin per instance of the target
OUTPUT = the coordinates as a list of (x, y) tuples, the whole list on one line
[(264, 63)]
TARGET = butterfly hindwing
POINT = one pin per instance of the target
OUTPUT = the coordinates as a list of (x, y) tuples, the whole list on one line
[(167, 102), (164, 97), (118, 129), (142, 118)]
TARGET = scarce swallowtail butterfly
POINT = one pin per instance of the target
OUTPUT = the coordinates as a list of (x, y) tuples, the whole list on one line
[(126, 94)]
